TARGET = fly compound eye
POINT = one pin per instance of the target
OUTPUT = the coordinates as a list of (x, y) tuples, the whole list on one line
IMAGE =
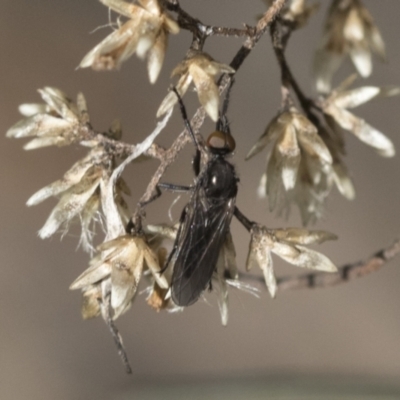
[(221, 142)]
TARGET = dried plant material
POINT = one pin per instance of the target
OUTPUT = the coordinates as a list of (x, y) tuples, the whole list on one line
[(145, 33), (80, 192), (296, 12), (111, 199), (343, 181), (304, 164), (55, 123), (162, 231), (295, 141), (93, 184), (156, 299), (349, 30), (313, 186), (200, 68), (223, 295), (338, 103), (91, 302), (303, 236), (122, 260), (226, 269), (286, 244)]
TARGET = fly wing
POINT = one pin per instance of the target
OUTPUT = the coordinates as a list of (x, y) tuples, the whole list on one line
[(203, 232)]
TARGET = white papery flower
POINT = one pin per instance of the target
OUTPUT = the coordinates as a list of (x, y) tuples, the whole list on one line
[(122, 261), (80, 196), (295, 140), (55, 123), (341, 99), (200, 69), (92, 298), (145, 33), (288, 244), (226, 271), (349, 31), (296, 12)]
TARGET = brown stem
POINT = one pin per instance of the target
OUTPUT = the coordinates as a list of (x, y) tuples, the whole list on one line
[(199, 29), (345, 273), (115, 334), (117, 148), (280, 34)]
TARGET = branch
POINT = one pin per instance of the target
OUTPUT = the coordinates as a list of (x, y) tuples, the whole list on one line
[(280, 34), (345, 273), (194, 25), (197, 121), (116, 147)]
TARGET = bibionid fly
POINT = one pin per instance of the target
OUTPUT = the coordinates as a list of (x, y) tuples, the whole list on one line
[(204, 222)]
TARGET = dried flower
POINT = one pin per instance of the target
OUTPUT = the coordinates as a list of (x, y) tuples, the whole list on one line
[(200, 68), (145, 33), (57, 122), (121, 261), (160, 298), (340, 100), (226, 266), (287, 244), (91, 301), (80, 195), (296, 12), (295, 142), (349, 30)]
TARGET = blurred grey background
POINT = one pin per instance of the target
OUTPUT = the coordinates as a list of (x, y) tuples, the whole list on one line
[(46, 350)]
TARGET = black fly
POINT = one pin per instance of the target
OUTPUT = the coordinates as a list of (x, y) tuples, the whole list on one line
[(205, 220)]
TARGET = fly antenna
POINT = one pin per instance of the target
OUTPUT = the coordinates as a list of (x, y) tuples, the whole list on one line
[(185, 118)]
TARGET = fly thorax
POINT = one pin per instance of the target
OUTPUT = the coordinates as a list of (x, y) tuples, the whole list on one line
[(220, 180)]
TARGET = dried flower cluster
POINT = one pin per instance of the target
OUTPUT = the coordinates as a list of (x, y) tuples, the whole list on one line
[(350, 31), (305, 160), (145, 33)]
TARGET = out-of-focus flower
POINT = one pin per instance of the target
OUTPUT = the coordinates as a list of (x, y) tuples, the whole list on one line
[(296, 12), (338, 103), (121, 261), (57, 122), (160, 298), (80, 195), (349, 30), (314, 183), (91, 301), (295, 139), (145, 33), (200, 68), (289, 245), (226, 269)]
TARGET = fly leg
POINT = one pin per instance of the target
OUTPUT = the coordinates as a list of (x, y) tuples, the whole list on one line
[(153, 197), (243, 219), (166, 186), (185, 118), (174, 188)]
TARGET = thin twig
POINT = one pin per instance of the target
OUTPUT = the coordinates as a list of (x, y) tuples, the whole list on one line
[(345, 273), (115, 334), (118, 148), (198, 28)]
